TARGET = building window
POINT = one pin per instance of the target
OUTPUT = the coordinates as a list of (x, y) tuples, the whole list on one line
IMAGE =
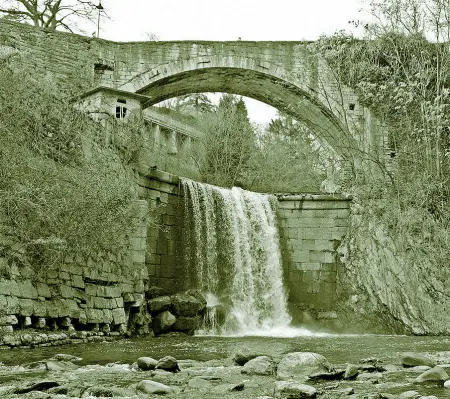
[(121, 110), (351, 107)]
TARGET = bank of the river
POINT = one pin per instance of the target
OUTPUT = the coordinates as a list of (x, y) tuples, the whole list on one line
[(207, 368)]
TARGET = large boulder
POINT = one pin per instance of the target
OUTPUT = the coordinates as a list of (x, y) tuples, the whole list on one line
[(243, 357), (146, 363), (293, 390), (261, 365), (187, 305), (414, 359), (153, 387), (159, 304), (436, 374), (168, 363), (299, 365), (187, 324), (163, 322)]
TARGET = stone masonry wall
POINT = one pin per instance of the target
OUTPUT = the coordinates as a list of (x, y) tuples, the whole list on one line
[(79, 295), (311, 229), (164, 253)]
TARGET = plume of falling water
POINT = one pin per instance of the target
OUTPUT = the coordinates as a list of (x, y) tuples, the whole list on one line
[(232, 253)]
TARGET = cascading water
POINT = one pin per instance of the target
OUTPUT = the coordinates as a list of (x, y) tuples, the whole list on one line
[(233, 256)]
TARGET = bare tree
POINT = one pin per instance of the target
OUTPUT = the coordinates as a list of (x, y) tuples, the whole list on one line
[(51, 14)]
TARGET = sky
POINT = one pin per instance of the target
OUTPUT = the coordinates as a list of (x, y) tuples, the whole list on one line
[(297, 20)]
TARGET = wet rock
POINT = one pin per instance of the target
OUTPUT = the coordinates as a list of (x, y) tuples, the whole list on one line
[(372, 377), (163, 322), (327, 376), (437, 373), (55, 365), (66, 357), (293, 390), (147, 363), (36, 386), (107, 392), (187, 305), (241, 358), (199, 383), (351, 371), (159, 304), (153, 387), (187, 324), (409, 395), (299, 365), (414, 359), (168, 363), (261, 365)]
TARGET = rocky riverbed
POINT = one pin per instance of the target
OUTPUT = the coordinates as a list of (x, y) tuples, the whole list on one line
[(242, 375)]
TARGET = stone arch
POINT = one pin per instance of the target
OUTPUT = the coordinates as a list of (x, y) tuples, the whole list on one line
[(268, 83)]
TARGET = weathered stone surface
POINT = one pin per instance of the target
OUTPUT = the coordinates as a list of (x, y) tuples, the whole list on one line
[(187, 305), (159, 304), (8, 320), (36, 386), (168, 363), (299, 365), (293, 390), (119, 316), (351, 371), (60, 365), (241, 358), (437, 373), (187, 324), (99, 391), (163, 322), (447, 384), (415, 359), (409, 395), (327, 376), (147, 363), (261, 365), (199, 383), (153, 387)]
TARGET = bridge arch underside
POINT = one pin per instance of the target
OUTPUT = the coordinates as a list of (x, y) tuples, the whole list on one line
[(266, 88)]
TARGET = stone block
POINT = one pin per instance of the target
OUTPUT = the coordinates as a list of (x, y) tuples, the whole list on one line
[(26, 306), (77, 281), (301, 256), (43, 290), (3, 302), (107, 316), (91, 289), (94, 315), (119, 316), (66, 291), (307, 266), (39, 308), (119, 302), (138, 256), (100, 302), (8, 320), (74, 310), (12, 305), (5, 286), (64, 275)]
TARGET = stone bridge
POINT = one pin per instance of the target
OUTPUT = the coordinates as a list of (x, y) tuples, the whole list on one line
[(285, 75)]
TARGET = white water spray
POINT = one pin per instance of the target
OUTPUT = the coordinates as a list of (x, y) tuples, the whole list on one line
[(233, 255)]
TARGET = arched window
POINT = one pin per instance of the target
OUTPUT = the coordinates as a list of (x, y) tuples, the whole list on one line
[(121, 110)]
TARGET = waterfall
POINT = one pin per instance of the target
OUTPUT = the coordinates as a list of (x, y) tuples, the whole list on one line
[(233, 256)]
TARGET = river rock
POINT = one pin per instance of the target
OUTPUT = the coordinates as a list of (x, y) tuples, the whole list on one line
[(447, 384), (107, 392), (409, 395), (199, 383), (241, 358), (414, 359), (419, 369), (153, 387), (351, 371), (187, 324), (437, 373), (66, 357), (299, 365), (159, 304), (261, 365), (168, 363), (147, 363), (55, 365), (187, 305), (293, 390), (327, 376), (36, 386), (163, 322)]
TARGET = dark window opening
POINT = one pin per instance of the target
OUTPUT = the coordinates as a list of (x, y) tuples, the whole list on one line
[(121, 112), (351, 107), (122, 101)]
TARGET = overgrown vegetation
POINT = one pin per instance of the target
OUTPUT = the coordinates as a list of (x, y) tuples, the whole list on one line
[(402, 72), (54, 201)]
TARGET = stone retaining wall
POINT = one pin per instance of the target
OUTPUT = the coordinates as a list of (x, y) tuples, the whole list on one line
[(94, 294), (311, 229)]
